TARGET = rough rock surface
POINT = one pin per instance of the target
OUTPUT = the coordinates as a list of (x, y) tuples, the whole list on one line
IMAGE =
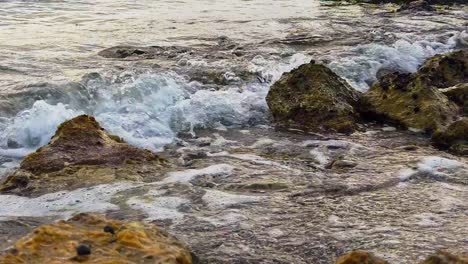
[(415, 100), (459, 95), (81, 153), (360, 257), (314, 98), (454, 137), (445, 70), (109, 241)]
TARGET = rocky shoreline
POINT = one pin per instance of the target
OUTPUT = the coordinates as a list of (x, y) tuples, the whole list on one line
[(341, 170)]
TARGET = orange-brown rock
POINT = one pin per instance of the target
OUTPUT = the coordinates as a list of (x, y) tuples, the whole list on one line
[(360, 257), (109, 241), (443, 257), (81, 153)]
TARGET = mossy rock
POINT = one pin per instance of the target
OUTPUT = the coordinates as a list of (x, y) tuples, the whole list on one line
[(421, 100), (360, 257), (105, 241), (405, 100), (459, 95), (313, 98), (80, 154), (445, 70), (453, 138)]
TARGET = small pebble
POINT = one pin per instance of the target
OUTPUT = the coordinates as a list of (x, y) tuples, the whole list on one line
[(83, 250), (109, 229)]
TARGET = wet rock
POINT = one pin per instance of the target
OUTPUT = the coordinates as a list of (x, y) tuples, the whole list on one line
[(11, 143), (414, 6), (443, 257), (152, 52), (312, 97), (81, 153), (445, 70), (459, 95), (454, 137), (414, 100), (360, 257), (82, 239)]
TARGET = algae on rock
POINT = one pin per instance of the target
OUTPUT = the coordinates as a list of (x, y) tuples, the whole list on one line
[(80, 154), (313, 98), (454, 137), (417, 100), (109, 241)]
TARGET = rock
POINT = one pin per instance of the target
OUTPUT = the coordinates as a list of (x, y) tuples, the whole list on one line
[(454, 137), (443, 257), (459, 95), (414, 100), (82, 239), (414, 6), (360, 257), (313, 98), (152, 52), (80, 154), (445, 70)]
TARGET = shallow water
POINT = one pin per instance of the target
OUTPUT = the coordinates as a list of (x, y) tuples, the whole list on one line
[(46, 45)]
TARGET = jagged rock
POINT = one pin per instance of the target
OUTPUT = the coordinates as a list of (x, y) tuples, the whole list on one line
[(415, 100), (101, 240), (312, 97), (454, 137), (459, 95), (81, 153), (418, 5), (360, 257), (443, 257)]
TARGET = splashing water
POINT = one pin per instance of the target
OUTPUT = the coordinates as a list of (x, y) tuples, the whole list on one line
[(151, 109), (362, 68)]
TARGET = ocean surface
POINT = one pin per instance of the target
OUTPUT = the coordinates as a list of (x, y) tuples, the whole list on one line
[(50, 69)]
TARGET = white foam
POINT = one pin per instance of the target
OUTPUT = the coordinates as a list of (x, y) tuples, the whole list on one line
[(220, 200), (404, 55), (438, 165), (262, 142), (320, 156), (33, 127), (159, 208), (63, 204), (188, 175), (229, 218)]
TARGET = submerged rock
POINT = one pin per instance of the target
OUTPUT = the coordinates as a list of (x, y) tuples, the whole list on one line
[(416, 100), (312, 97), (360, 257), (131, 52), (454, 137), (83, 239), (81, 153), (443, 257), (418, 5)]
